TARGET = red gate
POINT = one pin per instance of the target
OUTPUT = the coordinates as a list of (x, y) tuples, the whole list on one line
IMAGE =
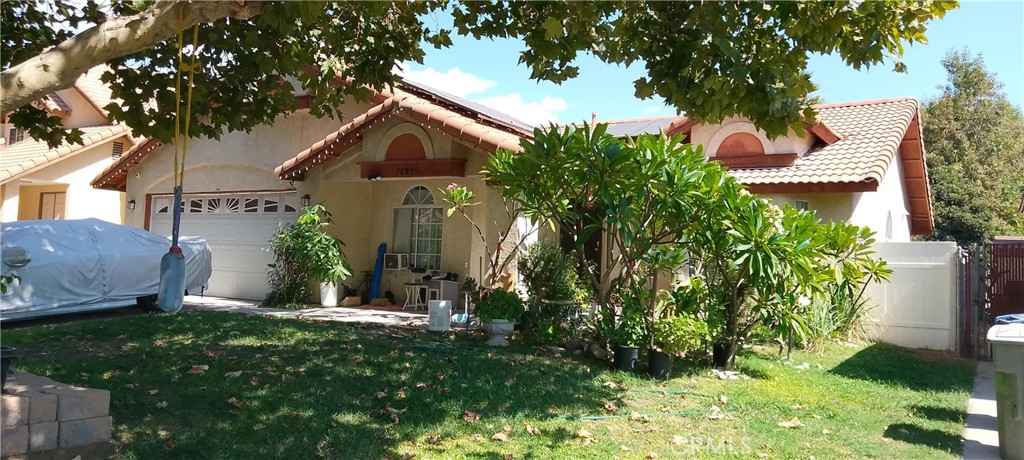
[(1006, 276)]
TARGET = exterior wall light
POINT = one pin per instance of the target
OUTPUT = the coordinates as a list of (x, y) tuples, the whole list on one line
[(305, 200), (131, 205)]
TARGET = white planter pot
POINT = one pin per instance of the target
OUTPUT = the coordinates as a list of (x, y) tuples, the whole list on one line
[(329, 294), (497, 330)]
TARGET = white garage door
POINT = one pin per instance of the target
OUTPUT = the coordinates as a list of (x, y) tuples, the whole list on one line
[(238, 228)]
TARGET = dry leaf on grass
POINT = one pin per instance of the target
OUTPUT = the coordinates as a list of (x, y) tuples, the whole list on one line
[(651, 456), (169, 445), (154, 392), (826, 431), (610, 407), (161, 404), (476, 437), (233, 375), (470, 416), (287, 378), (506, 428), (394, 412), (198, 369), (624, 447), (381, 394), (613, 385), (500, 437), (637, 417), (723, 399), (435, 439), (510, 381), (585, 437), (508, 457), (795, 423), (532, 430), (716, 413), (237, 403)]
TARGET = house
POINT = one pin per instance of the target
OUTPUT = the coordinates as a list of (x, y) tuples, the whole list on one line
[(39, 182), (863, 162), (380, 168), (378, 173)]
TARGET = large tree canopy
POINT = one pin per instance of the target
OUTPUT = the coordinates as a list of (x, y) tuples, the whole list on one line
[(975, 147), (708, 59)]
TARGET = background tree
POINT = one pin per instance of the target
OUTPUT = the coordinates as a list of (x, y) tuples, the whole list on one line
[(975, 151), (708, 59)]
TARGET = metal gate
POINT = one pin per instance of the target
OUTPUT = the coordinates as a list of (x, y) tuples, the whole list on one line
[(1006, 276)]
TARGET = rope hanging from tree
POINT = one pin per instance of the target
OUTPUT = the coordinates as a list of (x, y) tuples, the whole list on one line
[(171, 296)]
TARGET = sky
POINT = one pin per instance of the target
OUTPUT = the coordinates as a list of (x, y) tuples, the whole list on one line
[(488, 71)]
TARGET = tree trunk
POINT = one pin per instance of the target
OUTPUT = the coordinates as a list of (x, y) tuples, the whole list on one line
[(59, 67), (724, 354)]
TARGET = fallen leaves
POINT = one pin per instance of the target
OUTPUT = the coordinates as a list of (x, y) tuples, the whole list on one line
[(394, 413), (725, 375), (585, 437), (434, 439), (198, 369), (500, 436), (677, 440), (532, 430), (470, 416), (716, 413), (381, 394), (161, 404), (233, 375), (154, 392), (237, 403), (613, 385), (794, 423), (610, 407), (826, 431)]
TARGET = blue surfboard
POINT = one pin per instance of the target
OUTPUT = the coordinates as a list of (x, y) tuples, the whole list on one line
[(378, 271)]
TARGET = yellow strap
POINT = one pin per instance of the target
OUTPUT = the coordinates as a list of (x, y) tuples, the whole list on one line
[(179, 168)]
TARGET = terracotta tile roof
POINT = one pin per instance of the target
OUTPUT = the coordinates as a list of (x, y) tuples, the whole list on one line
[(29, 155), (94, 90), (55, 104), (115, 176), (477, 132), (870, 134)]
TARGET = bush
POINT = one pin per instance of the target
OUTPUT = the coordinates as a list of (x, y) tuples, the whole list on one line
[(304, 252), (678, 335), (498, 304), (551, 274)]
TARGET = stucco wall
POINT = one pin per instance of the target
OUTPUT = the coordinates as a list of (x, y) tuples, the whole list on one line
[(827, 206), (28, 203), (82, 111), (873, 209), (239, 161), (77, 172), (711, 136), (9, 202)]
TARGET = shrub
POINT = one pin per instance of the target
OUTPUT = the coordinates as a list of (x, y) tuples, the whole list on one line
[(498, 304), (304, 252), (551, 274), (678, 335)]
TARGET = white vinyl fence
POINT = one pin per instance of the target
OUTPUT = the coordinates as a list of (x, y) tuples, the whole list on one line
[(918, 307)]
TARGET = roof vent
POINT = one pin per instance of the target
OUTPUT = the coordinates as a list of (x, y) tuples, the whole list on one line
[(118, 150)]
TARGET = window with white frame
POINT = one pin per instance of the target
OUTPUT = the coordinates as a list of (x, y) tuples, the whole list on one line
[(418, 227)]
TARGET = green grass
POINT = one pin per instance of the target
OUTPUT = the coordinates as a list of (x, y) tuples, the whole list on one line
[(310, 390)]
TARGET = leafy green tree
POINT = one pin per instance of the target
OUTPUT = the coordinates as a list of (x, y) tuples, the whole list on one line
[(708, 59), (975, 152)]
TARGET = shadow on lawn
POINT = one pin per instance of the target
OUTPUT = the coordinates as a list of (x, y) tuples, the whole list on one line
[(306, 390), (899, 366), (910, 433)]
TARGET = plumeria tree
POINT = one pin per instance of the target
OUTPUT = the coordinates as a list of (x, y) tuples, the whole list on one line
[(500, 252), (639, 195)]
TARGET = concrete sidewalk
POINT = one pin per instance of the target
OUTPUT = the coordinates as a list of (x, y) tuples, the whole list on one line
[(340, 314), (981, 438)]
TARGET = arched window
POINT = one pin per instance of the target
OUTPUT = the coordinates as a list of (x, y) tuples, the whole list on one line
[(740, 144), (418, 227)]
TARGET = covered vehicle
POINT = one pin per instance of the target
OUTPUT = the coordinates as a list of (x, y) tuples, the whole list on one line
[(72, 266)]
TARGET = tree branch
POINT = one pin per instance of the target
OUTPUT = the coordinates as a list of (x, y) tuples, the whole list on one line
[(59, 67)]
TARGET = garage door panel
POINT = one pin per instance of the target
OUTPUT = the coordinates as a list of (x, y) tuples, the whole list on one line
[(239, 240)]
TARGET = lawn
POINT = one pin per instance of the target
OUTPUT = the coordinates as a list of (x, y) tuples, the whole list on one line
[(221, 385)]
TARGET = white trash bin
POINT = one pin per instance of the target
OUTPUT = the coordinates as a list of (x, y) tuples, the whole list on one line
[(440, 314), (1008, 358)]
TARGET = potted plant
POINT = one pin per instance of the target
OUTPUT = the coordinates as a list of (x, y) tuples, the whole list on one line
[(671, 337), (305, 251), (498, 311), (627, 336), (7, 356)]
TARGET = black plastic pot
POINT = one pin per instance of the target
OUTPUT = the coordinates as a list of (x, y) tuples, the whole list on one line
[(720, 355), (659, 365), (7, 355), (626, 357)]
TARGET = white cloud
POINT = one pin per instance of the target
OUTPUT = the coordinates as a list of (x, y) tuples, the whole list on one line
[(452, 81), (535, 113), (463, 84)]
